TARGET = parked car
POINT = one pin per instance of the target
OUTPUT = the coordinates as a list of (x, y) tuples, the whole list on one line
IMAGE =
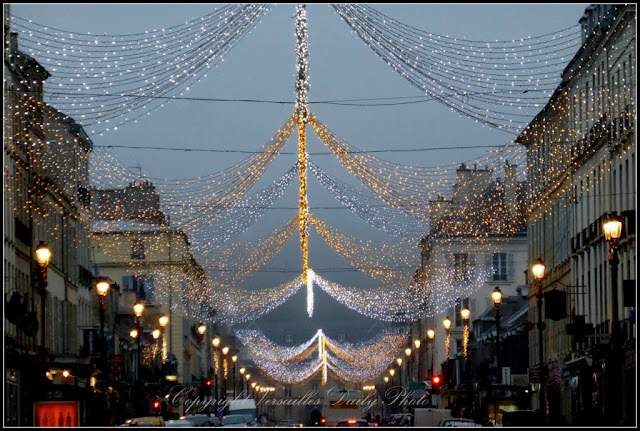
[(522, 418), (236, 421), (197, 420), (400, 420), (289, 423), (353, 423), (145, 421), (179, 423), (202, 420), (458, 422)]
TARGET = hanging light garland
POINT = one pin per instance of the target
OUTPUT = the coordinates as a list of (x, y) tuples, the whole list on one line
[(302, 113), (352, 362), (501, 84), (105, 81), (391, 263), (370, 208)]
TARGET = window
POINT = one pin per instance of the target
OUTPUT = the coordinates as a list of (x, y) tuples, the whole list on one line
[(137, 249), (341, 336), (289, 337), (460, 266), (142, 285), (500, 266)]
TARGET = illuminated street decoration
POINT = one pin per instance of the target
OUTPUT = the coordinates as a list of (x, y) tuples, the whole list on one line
[(350, 362), (105, 81), (204, 206), (501, 84), (302, 113)]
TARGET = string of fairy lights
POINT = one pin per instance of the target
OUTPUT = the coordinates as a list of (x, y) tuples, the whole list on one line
[(105, 81), (358, 362), (108, 80), (502, 84)]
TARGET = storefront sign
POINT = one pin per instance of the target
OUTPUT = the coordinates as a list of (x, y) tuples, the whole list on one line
[(56, 414), (534, 375)]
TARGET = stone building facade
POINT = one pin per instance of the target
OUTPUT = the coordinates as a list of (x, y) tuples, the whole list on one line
[(582, 167), (45, 200)]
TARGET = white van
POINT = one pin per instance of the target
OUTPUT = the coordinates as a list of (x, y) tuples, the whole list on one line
[(342, 405), (246, 407)]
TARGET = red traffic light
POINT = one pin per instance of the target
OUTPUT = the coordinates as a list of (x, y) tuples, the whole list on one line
[(156, 404), (436, 380), (208, 382)]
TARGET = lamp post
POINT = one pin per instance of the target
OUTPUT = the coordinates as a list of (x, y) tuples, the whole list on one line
[(242, 370), (538, 270), (417, 344), (43, 257), (496, 296), (407, 352), (225, 350), (447, 339), (202, 328), (138, 308), (216, 342), (465, 313), (102, 288), (234, 358), (248, 377), (430, 336), (399, 361), (612, 228), (163, 320)]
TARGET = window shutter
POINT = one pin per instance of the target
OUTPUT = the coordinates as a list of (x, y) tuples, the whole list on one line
[(510, 267)]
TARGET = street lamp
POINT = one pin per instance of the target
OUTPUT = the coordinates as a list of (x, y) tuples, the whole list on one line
[(234, 358), (430, 336), (407, 352), (102, 288), (216, 342), (465, 313), (163, 320), (43, 257), (612, 228), (138, 308), (538, 270), (447, 339), (225, 350), (496, 295), (202, 328), (242, 370)]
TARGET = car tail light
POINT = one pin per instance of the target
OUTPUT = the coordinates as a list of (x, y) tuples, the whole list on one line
[(323, 420), (352, 421)]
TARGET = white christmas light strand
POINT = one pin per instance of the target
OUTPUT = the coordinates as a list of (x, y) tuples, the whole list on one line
[(109, 80), (502, 84), (405, 303), (352, 362), (245, 212), (234, 306), (390, 263), (370, 208), (230, 264)]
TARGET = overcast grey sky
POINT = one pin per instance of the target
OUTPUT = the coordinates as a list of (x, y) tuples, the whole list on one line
[(341, 66)]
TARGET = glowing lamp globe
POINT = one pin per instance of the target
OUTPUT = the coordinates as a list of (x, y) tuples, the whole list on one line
[(612, 227)]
